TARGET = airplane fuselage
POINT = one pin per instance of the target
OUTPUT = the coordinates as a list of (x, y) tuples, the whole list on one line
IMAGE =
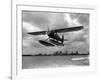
[(55, 36)]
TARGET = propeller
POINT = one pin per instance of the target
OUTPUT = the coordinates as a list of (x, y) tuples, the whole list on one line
[(48, 31)]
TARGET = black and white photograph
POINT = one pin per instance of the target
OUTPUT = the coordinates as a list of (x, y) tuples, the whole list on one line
[(50, 40), (55, 39)]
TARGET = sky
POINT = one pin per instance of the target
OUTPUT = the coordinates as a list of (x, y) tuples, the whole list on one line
[(40, 21)]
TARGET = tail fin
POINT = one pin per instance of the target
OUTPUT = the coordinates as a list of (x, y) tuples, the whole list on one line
[(62, 38)]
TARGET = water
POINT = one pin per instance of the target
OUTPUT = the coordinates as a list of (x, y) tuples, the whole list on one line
[(29, 62)]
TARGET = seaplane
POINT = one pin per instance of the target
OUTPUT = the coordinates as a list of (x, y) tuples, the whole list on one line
[(54, 39)]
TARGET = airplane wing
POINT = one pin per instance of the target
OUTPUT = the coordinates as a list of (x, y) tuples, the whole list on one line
[(70, 29), (37, 33)]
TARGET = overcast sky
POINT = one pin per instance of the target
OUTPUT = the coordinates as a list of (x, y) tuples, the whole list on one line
[(39, 21)]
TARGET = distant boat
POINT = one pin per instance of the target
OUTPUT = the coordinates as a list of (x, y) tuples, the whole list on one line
[(82, 58)]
